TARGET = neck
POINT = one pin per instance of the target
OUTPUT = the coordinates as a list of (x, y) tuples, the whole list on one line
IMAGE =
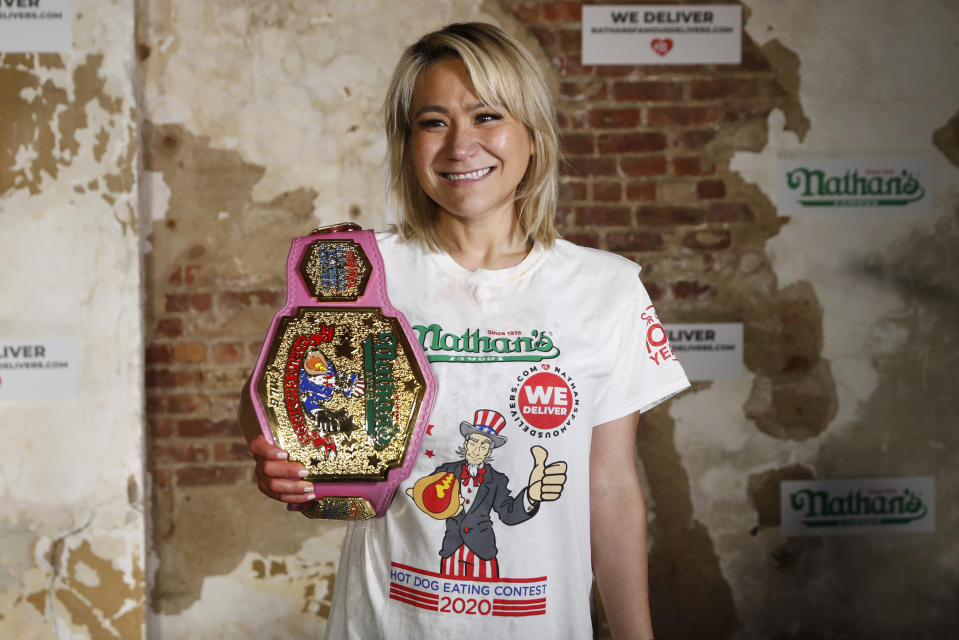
[(491, 243)]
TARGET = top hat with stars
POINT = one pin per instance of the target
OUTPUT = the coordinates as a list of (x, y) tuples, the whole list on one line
[(488, 423)]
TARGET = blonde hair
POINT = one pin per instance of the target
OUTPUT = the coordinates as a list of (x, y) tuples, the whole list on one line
[(503, 73)]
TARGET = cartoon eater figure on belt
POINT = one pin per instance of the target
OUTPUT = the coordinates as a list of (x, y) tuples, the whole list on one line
[(464, 492), (317, 383)]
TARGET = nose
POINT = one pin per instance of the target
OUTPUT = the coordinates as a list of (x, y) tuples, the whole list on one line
[(461, 142)]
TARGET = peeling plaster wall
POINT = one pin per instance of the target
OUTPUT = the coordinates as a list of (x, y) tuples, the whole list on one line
[(72, 482), (873, 77)]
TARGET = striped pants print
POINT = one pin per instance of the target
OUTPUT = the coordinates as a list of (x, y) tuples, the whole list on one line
[(465, 564)]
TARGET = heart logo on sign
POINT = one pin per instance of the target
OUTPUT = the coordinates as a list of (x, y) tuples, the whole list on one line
[(662, 46)]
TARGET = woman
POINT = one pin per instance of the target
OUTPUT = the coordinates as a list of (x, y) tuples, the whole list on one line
[(542, 353)]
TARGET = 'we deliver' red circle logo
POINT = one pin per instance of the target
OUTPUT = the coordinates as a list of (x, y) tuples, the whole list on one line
[(545, 400)]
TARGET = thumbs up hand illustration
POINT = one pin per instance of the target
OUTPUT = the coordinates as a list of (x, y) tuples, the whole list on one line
[(545, 480)]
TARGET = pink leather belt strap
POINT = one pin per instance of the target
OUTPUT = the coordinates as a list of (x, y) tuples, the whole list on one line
[(341, 382)]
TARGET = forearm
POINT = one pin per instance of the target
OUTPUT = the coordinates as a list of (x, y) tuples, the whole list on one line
[(618, 524)]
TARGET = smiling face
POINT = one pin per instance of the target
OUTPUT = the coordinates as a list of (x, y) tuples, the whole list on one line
[(469, 156), (478, 448)]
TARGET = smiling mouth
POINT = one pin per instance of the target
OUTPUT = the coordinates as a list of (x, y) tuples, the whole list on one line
[(472, 175)]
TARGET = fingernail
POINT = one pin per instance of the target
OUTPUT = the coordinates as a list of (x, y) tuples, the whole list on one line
[(282, 455), (308, 488), (312, 496), (302, 473)]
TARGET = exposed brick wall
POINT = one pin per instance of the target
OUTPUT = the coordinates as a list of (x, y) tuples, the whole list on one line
[(641, 175)]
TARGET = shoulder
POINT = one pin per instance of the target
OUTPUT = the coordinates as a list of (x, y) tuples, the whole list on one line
[(593, 268)]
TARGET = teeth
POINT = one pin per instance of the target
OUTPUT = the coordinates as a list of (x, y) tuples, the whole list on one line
[(473, 175)]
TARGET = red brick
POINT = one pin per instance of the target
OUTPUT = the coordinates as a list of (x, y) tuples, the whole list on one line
[(643, 165), (570, 39), (614, 70), (175, 452), (175, 403), (607, 191), (708, 240), (207, 475), (708, 189), (159, 427), (745, 111), (231, 451), (729, 212), (632, 142), (648, 91), (162, 477), (692, 289), (655, 214), (169, 327), (640, 190), (572, 65), (159, 354), (526, 11), (172, 378), (718, 88), (570, 119), (572, 190), (563, 215), (614, 118), (681, 116), (562, 11), (634, 241), (603, 216), (583, 239), (577, 143), (587, 91), (590, 166), (655, 290), (176, 276), (691, 166), (236, 300), (208, 428), (226, 352), (188, 302), (189, 352), (695, 138), (547, 37)]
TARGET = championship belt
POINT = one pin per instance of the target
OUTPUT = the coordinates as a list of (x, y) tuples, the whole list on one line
[(341, 383)]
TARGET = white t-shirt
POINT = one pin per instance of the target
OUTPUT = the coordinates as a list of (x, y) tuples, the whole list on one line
[(535, 355)]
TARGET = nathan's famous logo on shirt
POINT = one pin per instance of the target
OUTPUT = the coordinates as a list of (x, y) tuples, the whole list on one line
[(657, 344), (544, 401), (487, 345)]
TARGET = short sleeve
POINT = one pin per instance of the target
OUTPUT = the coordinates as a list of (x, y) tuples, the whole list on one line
[(645, 371)]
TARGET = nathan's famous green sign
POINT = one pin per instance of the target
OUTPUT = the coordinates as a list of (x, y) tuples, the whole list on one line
[(816, 188), (865, 505)]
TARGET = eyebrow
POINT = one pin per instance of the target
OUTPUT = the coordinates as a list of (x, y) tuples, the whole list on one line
[(476, 106)]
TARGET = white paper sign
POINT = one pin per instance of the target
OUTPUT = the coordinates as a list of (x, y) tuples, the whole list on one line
[(35, 26), (708, 351), (662, 34), (38, 370), (855, 184), (865, 505)]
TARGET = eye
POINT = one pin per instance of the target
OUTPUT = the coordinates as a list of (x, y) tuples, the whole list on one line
[(488, 117), (431, 123)]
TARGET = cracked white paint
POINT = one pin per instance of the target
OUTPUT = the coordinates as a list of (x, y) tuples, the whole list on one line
[(875, 76), (73, 271), (287, 86)]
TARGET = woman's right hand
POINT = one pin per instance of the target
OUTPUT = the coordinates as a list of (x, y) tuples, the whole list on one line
[(277, 477)]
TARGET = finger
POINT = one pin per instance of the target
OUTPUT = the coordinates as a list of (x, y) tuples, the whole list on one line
[(539, 455), (556, 467), (279, 469), (297, 496), (549, 496), (409, 492), (554, 480), (263, 449)]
